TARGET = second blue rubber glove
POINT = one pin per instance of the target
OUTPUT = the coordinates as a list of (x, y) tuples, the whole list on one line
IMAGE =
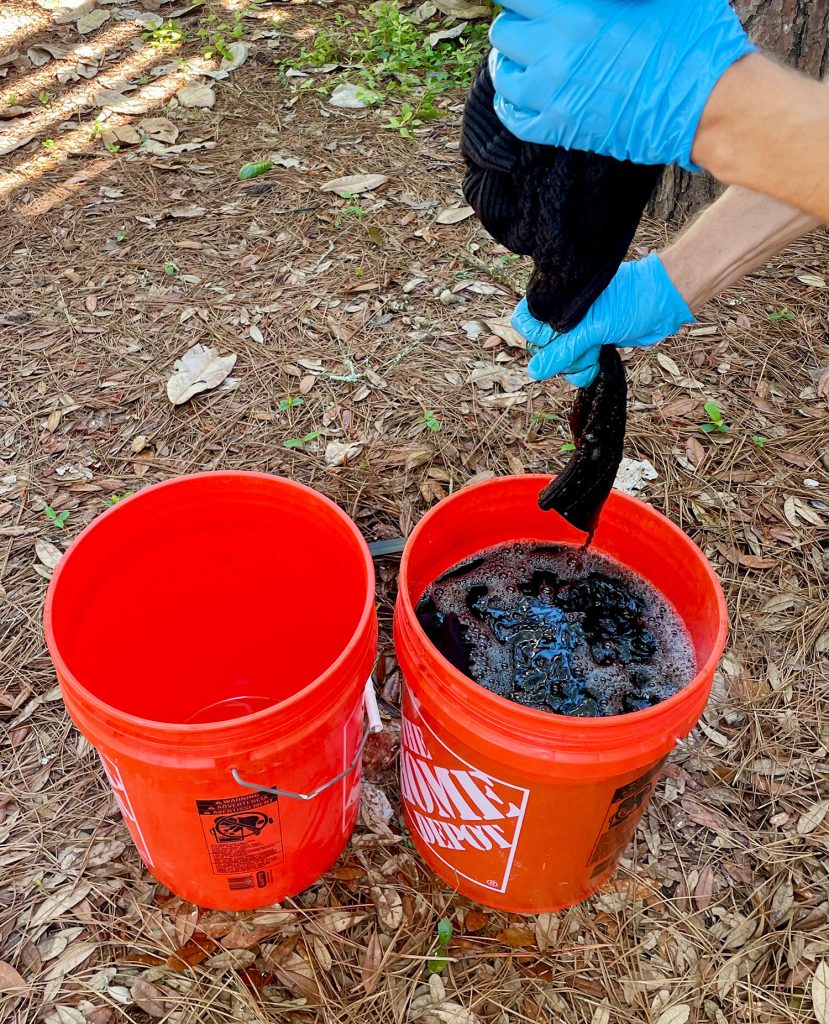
[(625, 78), (640, 306)]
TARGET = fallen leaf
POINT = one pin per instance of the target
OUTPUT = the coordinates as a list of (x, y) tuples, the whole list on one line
[(11, 983), (809, 821), (63, 1014), (196, 94), (668, 364), (462, 9), (546, 930), (111, 99), (370, 967), (375, 809), (354, 184), (446, 33), (161, 129), (10, 145), (199, 369), (389, 907), (516, 935), (248, 171), (150, 998), (704, 888), (48, 554), (297, 975), (814, 280), (820, 992), (694, 451), (186, 212), (339, 454), (475, 920), (77, 954), (351, 97), (678, 1014), (454, 215), (238, 55), (89, 22)]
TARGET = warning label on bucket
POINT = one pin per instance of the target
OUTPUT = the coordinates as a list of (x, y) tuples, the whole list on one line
[(243, 836), (624, 812), (470, 820)]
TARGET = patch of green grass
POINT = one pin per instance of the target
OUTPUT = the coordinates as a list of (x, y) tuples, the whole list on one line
[(217, 35), (394, 59)]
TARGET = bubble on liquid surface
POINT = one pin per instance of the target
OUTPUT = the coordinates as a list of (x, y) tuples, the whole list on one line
[(559, 629)]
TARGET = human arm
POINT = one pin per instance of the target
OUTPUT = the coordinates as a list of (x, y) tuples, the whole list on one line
[(657, 82), (766, 127), (650, 299)]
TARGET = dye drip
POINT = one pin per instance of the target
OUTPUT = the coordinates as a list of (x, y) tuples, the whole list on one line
[(559, 629)]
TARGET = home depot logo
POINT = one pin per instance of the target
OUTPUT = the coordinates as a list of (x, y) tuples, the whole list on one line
[(470, 820)]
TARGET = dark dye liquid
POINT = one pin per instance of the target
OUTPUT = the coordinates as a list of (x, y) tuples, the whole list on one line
[(560, 629)]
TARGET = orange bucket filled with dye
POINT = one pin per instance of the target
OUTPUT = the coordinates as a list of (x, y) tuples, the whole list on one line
[(520, 809), (213, 637)]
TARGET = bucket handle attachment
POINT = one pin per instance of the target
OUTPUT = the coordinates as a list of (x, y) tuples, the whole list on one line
[(372, 725)]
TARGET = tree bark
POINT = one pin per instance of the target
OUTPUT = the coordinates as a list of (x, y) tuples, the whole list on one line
[(797, 33)]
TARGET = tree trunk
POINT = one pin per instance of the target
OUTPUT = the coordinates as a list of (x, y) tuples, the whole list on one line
[(795, 31)]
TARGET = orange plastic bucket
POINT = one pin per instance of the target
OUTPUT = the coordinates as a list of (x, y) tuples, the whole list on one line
[(212, 637), (518, 809)]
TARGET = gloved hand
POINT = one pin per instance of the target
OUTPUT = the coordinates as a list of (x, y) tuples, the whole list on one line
[(640, 306), (625, 78)]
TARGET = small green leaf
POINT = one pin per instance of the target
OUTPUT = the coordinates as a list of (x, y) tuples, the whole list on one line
[(249, 171), (568, 447), (170, 269), (444, 931), (759, 440), (290, 402), (707, 427), (713, 411)]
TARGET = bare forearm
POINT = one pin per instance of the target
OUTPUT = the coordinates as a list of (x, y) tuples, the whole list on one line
[(734, 236), (767, 128)]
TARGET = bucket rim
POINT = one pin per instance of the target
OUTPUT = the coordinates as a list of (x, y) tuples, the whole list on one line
[(207, 729), (494, 706)]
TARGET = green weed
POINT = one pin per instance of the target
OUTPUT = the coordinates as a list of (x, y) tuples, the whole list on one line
[(168, 33), (290, 402), (298, 442), (57, 518), (431, 421), (716, 423), (113, 499), (784, 314), (438, 963)]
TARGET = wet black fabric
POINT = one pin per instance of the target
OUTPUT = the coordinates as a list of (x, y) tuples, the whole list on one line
[(574, 213)]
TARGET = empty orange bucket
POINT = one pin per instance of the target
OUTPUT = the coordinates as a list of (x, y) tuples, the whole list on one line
[(519, 809), (213, 636)]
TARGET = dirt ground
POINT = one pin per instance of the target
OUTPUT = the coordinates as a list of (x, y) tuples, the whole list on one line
[(391, 327)]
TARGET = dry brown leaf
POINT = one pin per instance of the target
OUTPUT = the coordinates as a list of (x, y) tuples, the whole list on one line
[(454, 215), (77, 954), (809, 821), (820, 992), (813, 280), (704, 889), (370, 967), (11, 983), (516, 935), (694, 451), (668, 364), (150, 998), (160, 129), (297, 975), (340, 454), (89, 22), (678, 1014), (196, 94), (57, 904), (199, 369), (475, 920), (10, 145), (337, 921), (389, 907), (354, 184)]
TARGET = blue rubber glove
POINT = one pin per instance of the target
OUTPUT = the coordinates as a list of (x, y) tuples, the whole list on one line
[(626, 78), (640, 306)]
